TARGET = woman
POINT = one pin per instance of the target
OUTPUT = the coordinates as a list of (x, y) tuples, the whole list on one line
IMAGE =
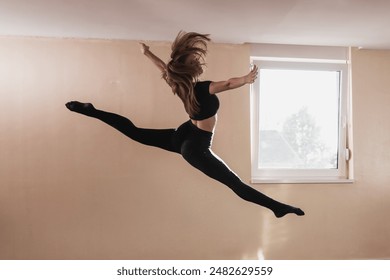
[(193, 138)]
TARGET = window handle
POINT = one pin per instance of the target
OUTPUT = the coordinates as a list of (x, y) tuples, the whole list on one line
[(347, 154)]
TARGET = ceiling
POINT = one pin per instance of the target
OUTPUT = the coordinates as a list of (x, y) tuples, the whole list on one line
[(359, 23)]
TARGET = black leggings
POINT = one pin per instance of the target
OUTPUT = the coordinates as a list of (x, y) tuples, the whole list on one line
[(194, 145)]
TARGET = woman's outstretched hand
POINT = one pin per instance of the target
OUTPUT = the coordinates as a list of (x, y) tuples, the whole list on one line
[(252, 76), (144, 48)]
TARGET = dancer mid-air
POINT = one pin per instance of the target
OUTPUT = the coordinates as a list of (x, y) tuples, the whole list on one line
[(193, 138)]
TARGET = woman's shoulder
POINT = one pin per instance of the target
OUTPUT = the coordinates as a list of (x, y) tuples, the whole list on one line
[(202, 87), (200, 83)]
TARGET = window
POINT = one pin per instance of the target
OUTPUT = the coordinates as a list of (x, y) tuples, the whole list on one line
[(299, 121)]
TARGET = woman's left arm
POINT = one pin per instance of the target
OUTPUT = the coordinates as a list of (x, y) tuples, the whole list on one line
[(155, 59), (232, 83)]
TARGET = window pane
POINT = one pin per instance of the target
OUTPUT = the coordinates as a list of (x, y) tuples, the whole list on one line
[(299, 112)]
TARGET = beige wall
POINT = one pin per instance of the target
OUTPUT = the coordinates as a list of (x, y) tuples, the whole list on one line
[(73, 188)]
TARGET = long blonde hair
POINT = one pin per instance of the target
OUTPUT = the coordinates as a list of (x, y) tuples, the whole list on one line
[(182, 76)]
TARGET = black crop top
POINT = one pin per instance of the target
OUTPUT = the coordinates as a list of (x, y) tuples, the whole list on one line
[(208, 103)]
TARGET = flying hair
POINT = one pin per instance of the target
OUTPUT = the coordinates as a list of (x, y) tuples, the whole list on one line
[(180, 75)]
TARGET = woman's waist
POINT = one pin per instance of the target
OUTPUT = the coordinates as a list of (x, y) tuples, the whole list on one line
[(192, 135), (207, 124)]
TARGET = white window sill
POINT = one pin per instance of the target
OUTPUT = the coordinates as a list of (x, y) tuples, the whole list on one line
[(301, 181)]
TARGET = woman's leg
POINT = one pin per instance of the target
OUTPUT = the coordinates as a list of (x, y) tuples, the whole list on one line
[(207, 162), (161, 138)]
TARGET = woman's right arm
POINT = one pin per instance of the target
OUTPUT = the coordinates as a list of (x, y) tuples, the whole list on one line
[(232, 83)]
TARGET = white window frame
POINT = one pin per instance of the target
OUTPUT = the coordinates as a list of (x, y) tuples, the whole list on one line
[(340, 175)]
